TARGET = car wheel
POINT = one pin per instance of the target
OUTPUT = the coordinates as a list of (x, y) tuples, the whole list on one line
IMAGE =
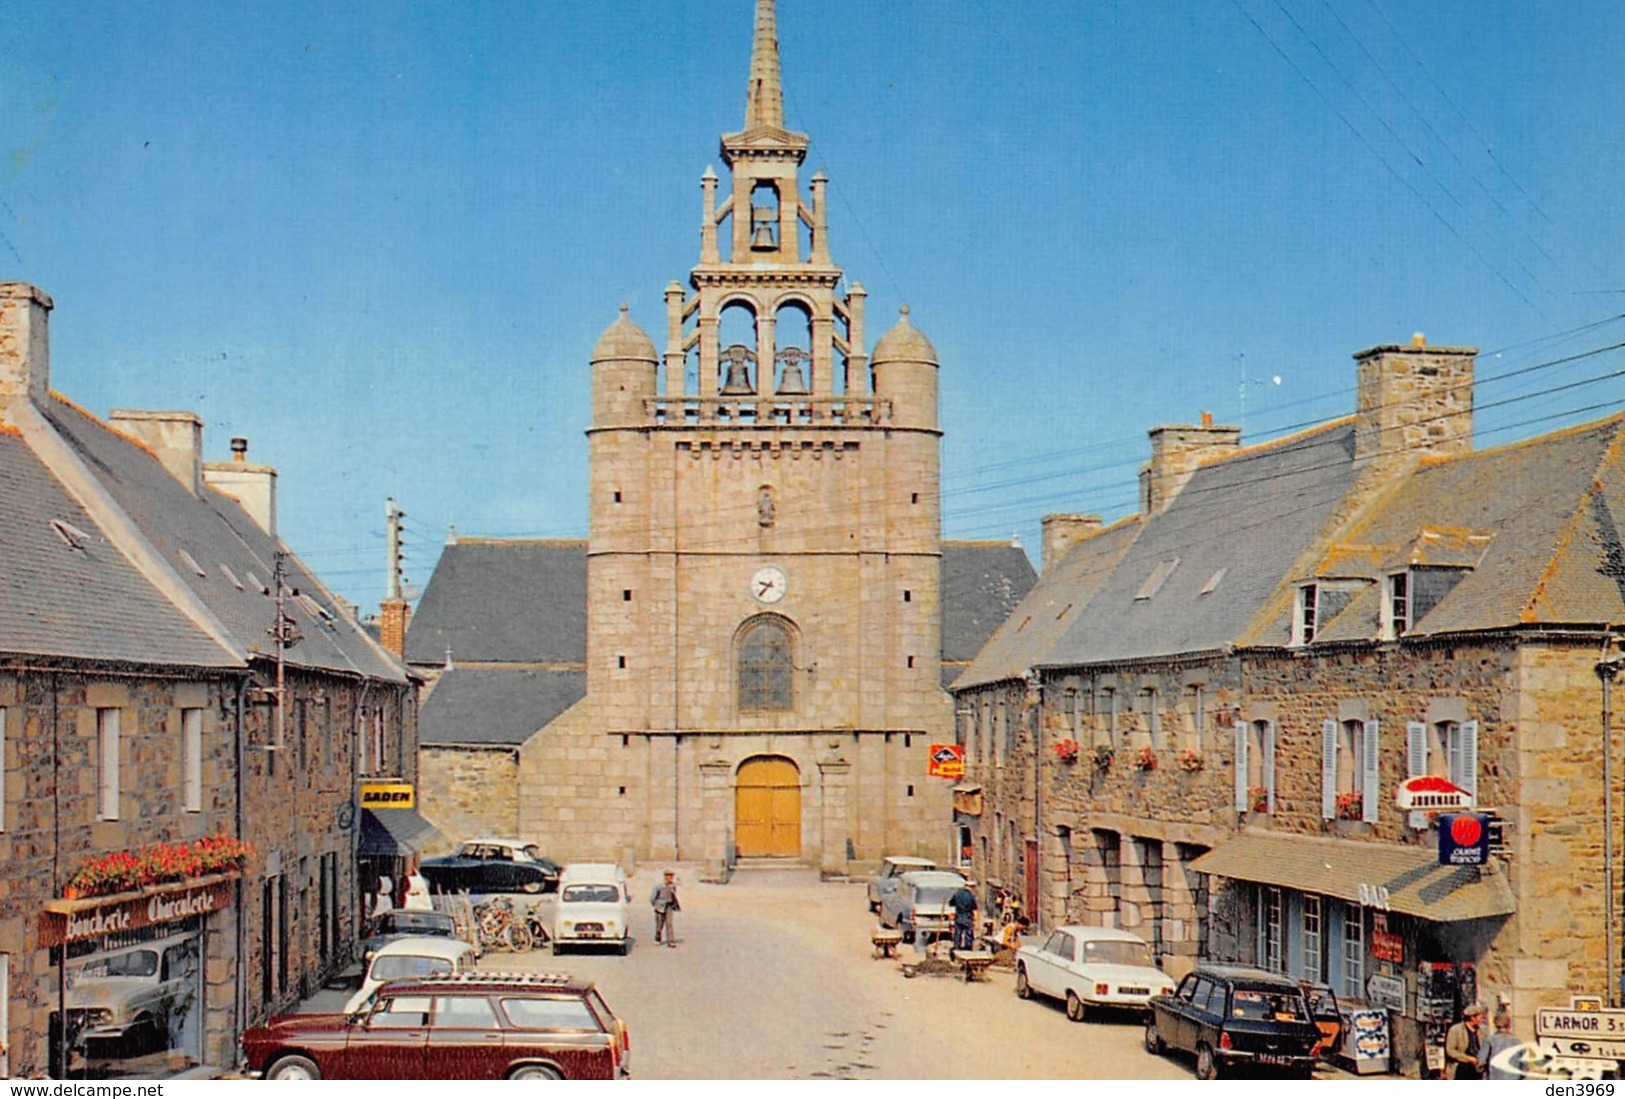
[(1076, 1009), (874, 906), (1024, 988), (1206, 1067), (626, 944), (533, 886), (294, 1068), (535, 1072), (1153, 1040)]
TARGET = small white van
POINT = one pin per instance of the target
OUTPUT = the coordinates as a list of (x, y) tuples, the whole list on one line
[(594, 906)]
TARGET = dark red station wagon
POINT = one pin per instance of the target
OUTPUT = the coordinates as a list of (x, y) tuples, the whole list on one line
[(467, 1026)]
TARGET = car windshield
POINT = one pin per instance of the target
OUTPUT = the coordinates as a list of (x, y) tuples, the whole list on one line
[(590, 894), (1111, 952), (134, 963), (408, 922), (387, 967), (533, 853), (1267, 1005)]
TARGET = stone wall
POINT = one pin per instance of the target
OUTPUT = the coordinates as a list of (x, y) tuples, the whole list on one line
[(1537, 705), (473, 790), (51, 827)]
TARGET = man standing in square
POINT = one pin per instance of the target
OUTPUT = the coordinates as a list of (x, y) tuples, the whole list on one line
[(664, 901)]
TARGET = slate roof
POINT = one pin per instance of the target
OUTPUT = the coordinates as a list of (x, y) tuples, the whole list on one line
[(503, 600), (232, 551), (1057, 599), (497, 705), (1417, 884), (982, 582), (84, 601), (1534, 526), (1238, 527)]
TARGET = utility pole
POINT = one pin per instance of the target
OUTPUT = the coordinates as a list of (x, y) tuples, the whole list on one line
[(395, 515), (285, 635)]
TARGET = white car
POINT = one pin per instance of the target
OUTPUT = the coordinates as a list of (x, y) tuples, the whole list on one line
[(595, 906), (1091, 967), (889, 876), (411, 957)]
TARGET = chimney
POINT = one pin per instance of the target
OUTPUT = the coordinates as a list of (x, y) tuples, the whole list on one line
[(252, 486), (1062, 532), (1176, 451), (393, 617), (1412, 401), (176, 438), (25, 342)]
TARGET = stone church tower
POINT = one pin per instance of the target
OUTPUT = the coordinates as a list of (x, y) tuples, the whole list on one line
[(764, 555)]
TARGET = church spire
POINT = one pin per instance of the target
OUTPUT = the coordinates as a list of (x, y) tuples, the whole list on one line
[(764, 101)]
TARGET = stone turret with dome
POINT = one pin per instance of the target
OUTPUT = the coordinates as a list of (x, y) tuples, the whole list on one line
[(624, 369)]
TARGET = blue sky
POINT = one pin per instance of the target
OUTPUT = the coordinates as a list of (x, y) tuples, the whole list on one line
[(381, 239)]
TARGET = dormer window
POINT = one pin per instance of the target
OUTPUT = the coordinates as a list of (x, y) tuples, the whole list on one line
[(1305, 619), (1396, 605)]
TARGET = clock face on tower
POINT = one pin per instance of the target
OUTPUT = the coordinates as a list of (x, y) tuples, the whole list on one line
[(768, 584)]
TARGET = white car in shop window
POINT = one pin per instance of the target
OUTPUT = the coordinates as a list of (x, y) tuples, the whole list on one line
[(1091, 967)]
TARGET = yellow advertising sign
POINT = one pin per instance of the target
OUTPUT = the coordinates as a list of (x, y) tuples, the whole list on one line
[(386, 795)]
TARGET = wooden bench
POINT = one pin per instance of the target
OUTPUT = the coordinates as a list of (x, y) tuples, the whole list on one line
[(973, 962), (885, 940)]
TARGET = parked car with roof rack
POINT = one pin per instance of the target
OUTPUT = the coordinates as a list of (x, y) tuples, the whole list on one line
[(470, 1026), (1233, 1015)]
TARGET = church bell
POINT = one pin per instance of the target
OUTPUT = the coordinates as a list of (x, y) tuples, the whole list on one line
[(736, 382), (764, 235), (792, 381)]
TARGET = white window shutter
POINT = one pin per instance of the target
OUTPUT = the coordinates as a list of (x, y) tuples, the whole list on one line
[(1328, 769), (1416, 748), (1269, 767), (1241, 767), (1468, 779), (1371, 767)]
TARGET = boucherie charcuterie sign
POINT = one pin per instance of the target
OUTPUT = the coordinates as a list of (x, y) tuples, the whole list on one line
[(91, 919)]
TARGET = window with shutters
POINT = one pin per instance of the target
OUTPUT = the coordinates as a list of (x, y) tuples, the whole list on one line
[(1453, 753), (1153, 722), (1198, 716), (1111, 716), (1255, 767)]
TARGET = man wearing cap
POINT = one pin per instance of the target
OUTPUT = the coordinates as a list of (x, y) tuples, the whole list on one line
[(1461, 1045), (664, 901)]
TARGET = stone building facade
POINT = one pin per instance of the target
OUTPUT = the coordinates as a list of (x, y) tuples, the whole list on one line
[(763, 640), (1210, 753), (142, 702)]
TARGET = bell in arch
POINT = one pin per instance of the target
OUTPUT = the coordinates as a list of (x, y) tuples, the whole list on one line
[(736, 382), (764, 236), (792, 375)]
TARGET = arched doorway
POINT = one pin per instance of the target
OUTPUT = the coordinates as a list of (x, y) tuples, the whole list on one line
[(767, 808)]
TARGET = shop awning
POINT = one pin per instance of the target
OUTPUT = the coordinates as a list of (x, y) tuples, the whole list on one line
[(386, 832), (1417, 885), (968, 800)]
